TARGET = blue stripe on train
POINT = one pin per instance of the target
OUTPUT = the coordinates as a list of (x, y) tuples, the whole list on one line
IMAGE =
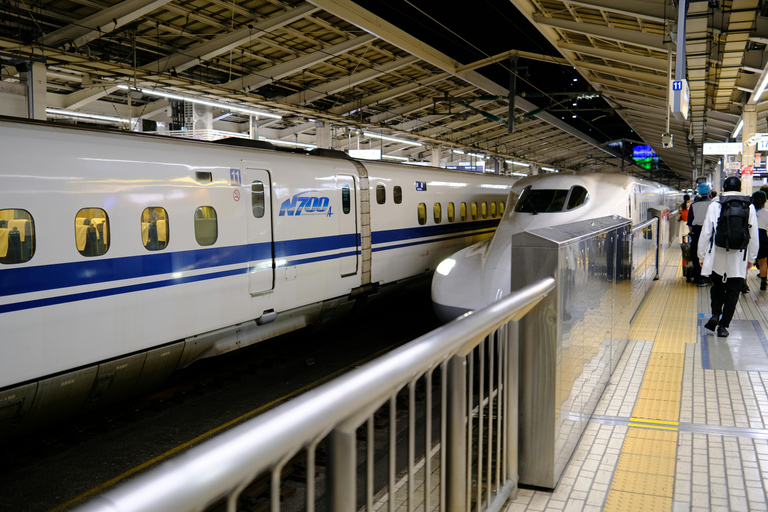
[(94, 271)]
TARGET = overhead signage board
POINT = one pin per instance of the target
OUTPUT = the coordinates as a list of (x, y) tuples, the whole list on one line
[(722, 148), (762, 145), (365, 154), (680, 98)]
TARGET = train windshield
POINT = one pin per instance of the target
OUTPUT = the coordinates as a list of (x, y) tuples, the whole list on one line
[(551, 200), (541, 200)]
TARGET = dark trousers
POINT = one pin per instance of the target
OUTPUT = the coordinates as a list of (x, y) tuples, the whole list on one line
[(725, 296), (695, 233)]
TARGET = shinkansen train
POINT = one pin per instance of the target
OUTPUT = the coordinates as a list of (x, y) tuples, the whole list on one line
[(480, 274), (126, 256)]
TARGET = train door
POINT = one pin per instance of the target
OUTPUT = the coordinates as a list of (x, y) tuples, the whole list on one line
[(261, 255), (347, 219)]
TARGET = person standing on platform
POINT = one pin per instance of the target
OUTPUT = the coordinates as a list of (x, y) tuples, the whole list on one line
[(759, 199), (696, 215), (684, 230), (726, 242)]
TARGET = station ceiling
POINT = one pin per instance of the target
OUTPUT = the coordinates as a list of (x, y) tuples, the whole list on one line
[(402, 69)]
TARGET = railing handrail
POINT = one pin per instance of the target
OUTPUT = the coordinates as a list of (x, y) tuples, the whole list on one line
[(645, 224), (212, 470)]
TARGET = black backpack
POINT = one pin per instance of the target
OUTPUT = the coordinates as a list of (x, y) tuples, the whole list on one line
[(732, 230)]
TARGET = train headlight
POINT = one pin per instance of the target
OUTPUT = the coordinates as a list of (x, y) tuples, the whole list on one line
[(445, 266)]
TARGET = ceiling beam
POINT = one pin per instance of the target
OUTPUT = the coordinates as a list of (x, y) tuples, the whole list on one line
[(650, 11), (267, 76), (207, 50), (641, 39), (320, 91), (102, 22), (640, 61)]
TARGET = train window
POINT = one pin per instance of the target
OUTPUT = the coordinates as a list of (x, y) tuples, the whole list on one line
[(422, 214), (501, 207), (154, 228), (17, 236), (345, 203), (398, 193), (451, 212), (484, 210), (257, 199), (206, 225), (541, 200), (438, 213), (204, 176), (578, 197), (474, 210), (463, 211), (493, 209), (92, 232), (381, 194)]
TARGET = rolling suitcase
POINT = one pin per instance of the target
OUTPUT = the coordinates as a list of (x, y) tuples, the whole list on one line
[(685, 248)]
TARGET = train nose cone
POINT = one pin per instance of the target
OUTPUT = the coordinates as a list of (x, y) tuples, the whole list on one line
[(447, 313)]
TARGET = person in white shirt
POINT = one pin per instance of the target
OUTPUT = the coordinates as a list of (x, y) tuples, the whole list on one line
[(759, 199), (726, 268)]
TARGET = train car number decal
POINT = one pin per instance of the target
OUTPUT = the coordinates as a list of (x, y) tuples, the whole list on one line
[(306, 203), (234, 178)]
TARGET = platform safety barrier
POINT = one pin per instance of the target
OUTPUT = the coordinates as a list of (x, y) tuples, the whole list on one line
[(458, 442)]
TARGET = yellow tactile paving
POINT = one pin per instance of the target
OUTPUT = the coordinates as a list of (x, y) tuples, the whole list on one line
[(642, 483), (640, 446), (632, 502), (646, 464), (645, 472), (667, 410), (635, 433)]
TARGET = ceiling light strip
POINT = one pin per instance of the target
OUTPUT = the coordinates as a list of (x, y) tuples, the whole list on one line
[(228, 106), (83, 115), (392, 139)]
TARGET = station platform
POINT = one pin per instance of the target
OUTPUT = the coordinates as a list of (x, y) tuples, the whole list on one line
[(683, 424)]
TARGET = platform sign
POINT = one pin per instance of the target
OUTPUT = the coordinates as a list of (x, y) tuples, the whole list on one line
[(722, 148), (747, 170), (680, 98)]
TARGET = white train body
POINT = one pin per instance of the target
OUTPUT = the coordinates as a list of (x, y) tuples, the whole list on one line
[(480, 274), (91, 310)]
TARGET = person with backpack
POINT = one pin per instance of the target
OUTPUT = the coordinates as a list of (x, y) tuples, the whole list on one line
[(759, 199), (696, 215), (728, 245)]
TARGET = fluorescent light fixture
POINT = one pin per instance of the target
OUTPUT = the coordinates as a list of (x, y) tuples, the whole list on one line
[(738, 129), (458, 151), (83, 115), (517, 163), (288, 143), (479, 155), (761, 86), (393, 157), (229, 106), (548, 169), (393, 139), (518, 174)]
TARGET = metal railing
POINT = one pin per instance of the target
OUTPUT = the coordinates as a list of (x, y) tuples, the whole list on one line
[(466, 426)]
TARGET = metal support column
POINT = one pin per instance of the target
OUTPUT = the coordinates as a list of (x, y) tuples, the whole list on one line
[(457, 436), (511, 402), (342, 471)]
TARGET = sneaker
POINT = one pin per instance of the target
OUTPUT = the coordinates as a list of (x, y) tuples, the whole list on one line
[(744, 290), (711, 324), (701, 283), (722, 332), (763, 287)]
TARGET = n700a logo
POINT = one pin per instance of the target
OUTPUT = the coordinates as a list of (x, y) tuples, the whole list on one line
[(305, 203)]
